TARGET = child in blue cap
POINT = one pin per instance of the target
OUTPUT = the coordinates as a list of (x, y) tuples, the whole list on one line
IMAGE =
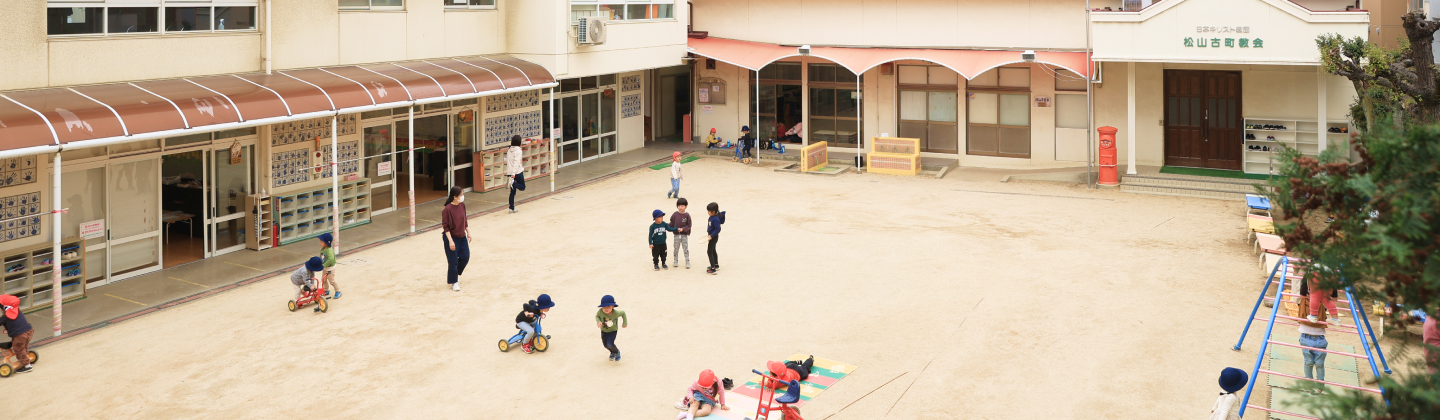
[(656, 236), (327, 253), (610, 321), (1227, 407), (530, 313), (304, 278)]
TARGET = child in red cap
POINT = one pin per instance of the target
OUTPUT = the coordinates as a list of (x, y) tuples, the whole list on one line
[(19, 330), (702, 397), (791, 370), (711, 141), (675, 176)]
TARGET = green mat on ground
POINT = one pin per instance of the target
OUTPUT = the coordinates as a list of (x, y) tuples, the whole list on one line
[(1332, 361), (686, 159), (1286, 400), (1298, 369), (1209, 172)]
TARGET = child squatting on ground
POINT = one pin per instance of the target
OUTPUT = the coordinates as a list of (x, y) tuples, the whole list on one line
[(529, 313), (712, 235), (304, 277), (327, 253), (675, 176), (702, 397), (19, 331), (680, 220), (1227, 407), (656, 237), (711, 141), (610, 321)]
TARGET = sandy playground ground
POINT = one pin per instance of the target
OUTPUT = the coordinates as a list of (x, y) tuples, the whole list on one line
[(1025, 300)]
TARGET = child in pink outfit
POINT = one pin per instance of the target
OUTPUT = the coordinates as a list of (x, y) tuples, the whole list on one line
[(1320, 300), (702, 397)]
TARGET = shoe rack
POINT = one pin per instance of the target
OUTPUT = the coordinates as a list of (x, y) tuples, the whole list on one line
[(1265, 136)]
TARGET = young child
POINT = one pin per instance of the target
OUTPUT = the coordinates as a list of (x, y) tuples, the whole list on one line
[(327, 253), (529, 313), (791, 370), (711, 141), (1312, 334), (675, 176), (656, 236), (702, 397), (610, 321), (712, 235), (304, 277), (1227, 407), (747, 142), (680, 220), (1320, 301), (19, 330)]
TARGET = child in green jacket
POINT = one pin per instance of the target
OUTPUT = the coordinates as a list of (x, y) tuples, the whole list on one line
[(610, 321)]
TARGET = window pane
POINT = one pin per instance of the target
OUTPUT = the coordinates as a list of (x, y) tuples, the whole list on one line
[(180, 19), (767, 99), (664, 11), (1014, 77), (1070, 111), (570, 117), (463, 102), (193, 138), (844, 75), (822, 73), (354, 4), (943, 106), (845, 103), (912, 75), (943, 76), (387, 3), (590, 108), (612, 11), (75, 20), (1068, 80), (607, 114), (912, 105), (234, 18), (989, 78), (983, 108), (133, 19), (455, 3), (373, 114), (789, 71), (378, 147), (578, 12), (482, 3), (587, 83), (569, 85), (822, 102), (239, 132), (637, 11), (607, 79), (1015, 110)]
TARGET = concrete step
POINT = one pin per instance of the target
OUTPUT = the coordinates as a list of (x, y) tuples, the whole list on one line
[(1189, 186)]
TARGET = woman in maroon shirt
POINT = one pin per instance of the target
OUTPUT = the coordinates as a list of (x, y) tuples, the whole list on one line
[(455, 231)]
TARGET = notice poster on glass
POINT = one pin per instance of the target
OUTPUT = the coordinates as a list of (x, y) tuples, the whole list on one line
[(383, 168), (93, 229)]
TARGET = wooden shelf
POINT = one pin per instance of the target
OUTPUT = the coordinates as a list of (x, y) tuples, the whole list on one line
[(33, 282), (313, 212), (490, 165), (1302, 135)]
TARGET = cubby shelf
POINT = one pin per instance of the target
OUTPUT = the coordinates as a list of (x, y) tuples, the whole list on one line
[(1303, 135), (305, 214), (28, 274), (490, 164)]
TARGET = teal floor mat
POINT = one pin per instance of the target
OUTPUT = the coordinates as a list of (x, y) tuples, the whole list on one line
[(1286, 400), (1298, 369), (1333, 361)]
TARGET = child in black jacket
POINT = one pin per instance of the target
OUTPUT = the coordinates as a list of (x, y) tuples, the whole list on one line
[(531, 313)]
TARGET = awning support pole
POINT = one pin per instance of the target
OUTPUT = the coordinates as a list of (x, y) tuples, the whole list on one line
[(553, 118), (335, 183), (755, 129), (1090, 105), (859, 98), (1130, 114), (410, 164), (55, 266)]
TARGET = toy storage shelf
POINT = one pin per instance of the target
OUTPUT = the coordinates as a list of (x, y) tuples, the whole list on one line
[(256, 207), (299, 215), (28, 274), (490, 164), (1302, 135)]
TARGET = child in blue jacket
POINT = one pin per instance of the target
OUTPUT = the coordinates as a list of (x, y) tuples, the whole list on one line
[(712, 235)]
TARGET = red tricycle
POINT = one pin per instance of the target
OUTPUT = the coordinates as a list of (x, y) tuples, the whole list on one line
[(7, 360), (308, 296), (768, 400)]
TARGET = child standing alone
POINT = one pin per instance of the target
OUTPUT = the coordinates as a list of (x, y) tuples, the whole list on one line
[(680, 220), (675, 176), (656, 237), (327, 253), (712, 232), (610, 321)]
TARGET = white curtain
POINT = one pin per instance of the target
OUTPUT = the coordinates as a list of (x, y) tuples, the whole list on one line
[(984, 108), (912, 105), (1015, 110), (943, 106)]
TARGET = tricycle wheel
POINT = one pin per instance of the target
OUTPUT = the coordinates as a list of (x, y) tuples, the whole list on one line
[(323, 306), (541, 343), (34, 357), (292, 306), (6, 370), (504, 346)]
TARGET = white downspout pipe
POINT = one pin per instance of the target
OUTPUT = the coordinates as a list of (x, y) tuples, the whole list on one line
[(1130, 115), (410, 163), (269, 51), (55, 265), (335, 183)]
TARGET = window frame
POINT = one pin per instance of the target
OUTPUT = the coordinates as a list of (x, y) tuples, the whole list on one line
[(494, 5), (374, 8), (624, 6), (999, 90), (160, 7), (928, 88)]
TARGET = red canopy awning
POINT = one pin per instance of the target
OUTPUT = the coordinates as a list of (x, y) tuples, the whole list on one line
[(132, 111), (969, 63)]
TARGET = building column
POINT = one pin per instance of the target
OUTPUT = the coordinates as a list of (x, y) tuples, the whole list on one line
[(410, 163), (1322, 125), (335, 181), (1130, 118), (55, 293)]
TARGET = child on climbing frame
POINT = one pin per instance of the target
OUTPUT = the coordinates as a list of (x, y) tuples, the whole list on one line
[(702, 397)]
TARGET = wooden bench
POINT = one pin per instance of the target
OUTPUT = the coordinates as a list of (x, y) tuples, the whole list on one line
[(814, 157), (894, 156)]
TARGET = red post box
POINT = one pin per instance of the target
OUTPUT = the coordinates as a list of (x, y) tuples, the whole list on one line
[(1108, 175)]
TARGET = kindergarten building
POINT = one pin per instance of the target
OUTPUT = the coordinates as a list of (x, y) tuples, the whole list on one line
[(170, 131), (175, 130)]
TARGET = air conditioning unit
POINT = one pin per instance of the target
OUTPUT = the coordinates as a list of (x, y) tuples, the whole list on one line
[(592, 31)]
